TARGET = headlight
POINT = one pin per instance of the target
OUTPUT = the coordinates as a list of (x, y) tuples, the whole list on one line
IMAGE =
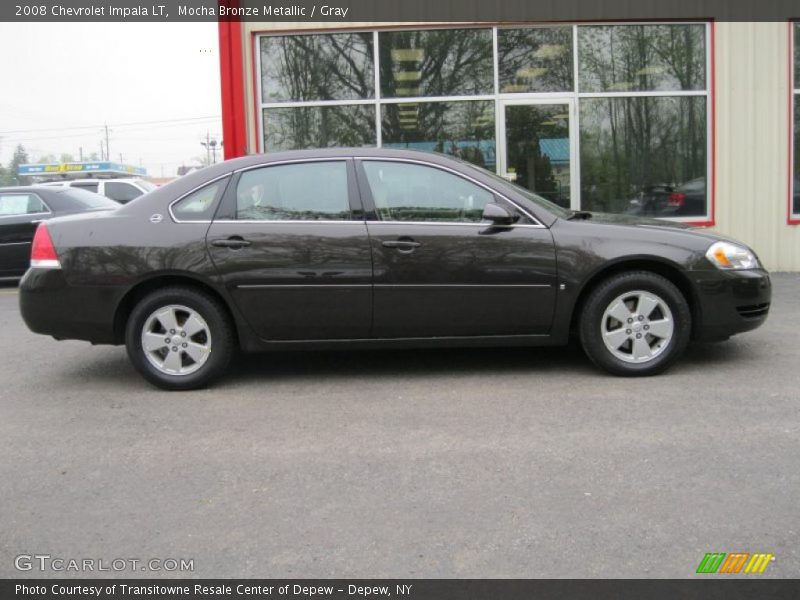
[(725, 255)]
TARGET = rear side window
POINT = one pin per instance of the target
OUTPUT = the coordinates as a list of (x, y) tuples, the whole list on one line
[(90, 186), (412, 192), (121, 192), (199, 205), (21, 204), (314, 191)]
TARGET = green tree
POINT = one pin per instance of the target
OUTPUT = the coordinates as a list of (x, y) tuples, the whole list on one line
[(9, 175)]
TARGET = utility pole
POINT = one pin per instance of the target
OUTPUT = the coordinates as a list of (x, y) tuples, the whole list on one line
[(102, 151), (108, 150), (80, 153)]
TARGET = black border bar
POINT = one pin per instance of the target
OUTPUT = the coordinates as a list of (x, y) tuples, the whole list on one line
[(396, 10), (420, 589)]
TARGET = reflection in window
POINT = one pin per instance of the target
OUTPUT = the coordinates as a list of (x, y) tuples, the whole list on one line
[(409, 192), (620, 58), (21, 204), (535, 60), (199, 205), (462, 129), (444, 62), (313, 191), (335, 66), (319, 127), (644, 155)]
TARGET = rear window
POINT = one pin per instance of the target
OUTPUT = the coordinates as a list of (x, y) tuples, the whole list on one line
[(81, 199)]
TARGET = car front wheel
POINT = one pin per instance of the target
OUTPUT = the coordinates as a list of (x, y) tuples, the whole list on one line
[(635, 323), (179, 338)]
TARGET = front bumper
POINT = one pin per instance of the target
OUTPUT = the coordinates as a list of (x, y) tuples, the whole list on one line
[(50, 306), (730, 302)]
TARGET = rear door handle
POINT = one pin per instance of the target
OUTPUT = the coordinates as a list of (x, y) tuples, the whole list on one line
[(233, 242), (401, 244)]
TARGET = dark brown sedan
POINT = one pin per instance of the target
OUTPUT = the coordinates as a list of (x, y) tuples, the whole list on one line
[(378, 248)]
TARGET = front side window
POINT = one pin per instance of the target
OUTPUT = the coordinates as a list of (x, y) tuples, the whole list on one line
[(20, 204), (412, 192), (312, 191)]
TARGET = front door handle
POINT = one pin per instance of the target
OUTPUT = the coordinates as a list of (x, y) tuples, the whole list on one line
[(234, 242), (402, 245)]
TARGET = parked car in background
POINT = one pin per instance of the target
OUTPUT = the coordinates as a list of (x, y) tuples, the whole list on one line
[(23, 208), (122, 190), (378, 248), (663, 200)]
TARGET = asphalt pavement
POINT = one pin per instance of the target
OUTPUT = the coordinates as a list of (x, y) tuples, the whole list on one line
[(447, 463)]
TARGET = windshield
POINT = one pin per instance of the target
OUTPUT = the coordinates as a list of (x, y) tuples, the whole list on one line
[(536, 199), (85, 199)]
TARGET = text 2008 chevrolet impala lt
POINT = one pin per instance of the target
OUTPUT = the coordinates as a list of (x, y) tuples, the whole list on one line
[(378, 248)]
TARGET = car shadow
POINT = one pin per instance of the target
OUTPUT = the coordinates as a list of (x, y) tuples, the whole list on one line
[(407, 363), (561, 361)]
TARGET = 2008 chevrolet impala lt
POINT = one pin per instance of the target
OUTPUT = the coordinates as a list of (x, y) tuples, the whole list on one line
[(378, 248)]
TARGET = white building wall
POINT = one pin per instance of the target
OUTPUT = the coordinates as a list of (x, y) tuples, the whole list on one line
[(752, 140)]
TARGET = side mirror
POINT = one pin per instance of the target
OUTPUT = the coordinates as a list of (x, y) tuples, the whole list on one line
[(498, 215)]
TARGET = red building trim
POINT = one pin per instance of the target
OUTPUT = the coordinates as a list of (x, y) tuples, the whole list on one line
[(791, 219), (231, 70)]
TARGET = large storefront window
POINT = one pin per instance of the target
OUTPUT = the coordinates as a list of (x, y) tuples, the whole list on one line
[(317, 67), (796, 97), (329, 126), (444, 62), (464, 129), (535, 60), (634, 149), (605, 117)]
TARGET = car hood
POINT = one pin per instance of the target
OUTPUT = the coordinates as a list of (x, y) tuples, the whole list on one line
[(658, 224)]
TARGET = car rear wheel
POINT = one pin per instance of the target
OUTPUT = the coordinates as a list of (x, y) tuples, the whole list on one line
[(635, 323), (179, 338)]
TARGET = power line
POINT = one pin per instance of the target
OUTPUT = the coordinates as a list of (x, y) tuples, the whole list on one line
[(132, 123)]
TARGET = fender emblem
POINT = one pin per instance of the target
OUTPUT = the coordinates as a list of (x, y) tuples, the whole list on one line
[(156, 218)]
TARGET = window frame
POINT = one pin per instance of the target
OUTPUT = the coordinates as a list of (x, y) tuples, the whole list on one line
[(792, 217), (226, 211), (708, 219), (372, 212)]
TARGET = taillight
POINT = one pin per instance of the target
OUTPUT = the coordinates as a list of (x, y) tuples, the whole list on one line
[(43, 252), (676, 199)]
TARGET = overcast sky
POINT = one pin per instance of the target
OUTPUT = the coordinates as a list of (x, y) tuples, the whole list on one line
[(61, 82)]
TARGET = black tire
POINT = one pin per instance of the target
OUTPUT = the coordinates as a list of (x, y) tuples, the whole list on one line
[(222, 339), (601, 297)]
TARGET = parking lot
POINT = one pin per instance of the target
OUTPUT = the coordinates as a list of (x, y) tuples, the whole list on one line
[(457, 463)]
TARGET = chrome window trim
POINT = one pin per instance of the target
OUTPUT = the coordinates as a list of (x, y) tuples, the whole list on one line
[(47, 212), (189, 193), (537, 223), (250, 168)]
